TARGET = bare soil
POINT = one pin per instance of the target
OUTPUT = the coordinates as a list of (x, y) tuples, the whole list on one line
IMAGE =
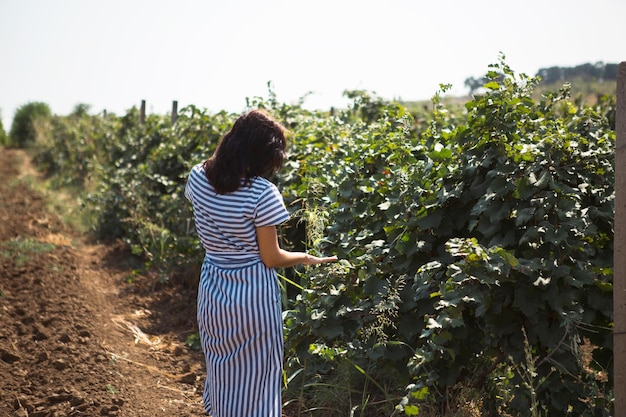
[(77, 336)]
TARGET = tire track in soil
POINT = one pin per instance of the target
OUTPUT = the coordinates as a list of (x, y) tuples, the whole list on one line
[(76, 339)]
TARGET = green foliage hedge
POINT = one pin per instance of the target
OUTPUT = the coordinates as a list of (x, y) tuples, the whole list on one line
[(27, 124), (476, 243)]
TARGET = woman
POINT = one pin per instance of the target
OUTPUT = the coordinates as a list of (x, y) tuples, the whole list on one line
[(236, 211)]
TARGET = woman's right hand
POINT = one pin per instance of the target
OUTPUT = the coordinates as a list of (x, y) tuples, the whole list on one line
[(316, 260)]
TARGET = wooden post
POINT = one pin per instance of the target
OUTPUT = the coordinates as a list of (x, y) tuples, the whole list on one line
[(174, 111), (142, 112), (619, 249)]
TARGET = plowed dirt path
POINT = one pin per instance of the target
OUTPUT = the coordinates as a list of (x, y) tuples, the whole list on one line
[(77, 336)]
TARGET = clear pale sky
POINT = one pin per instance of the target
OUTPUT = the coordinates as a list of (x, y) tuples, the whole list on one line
[(214, 53)]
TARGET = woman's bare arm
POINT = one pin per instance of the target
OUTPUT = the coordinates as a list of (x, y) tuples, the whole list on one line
[(274, 257)]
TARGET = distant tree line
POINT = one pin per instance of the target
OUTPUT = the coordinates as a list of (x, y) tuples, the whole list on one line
[(597, 71), (588, 72)]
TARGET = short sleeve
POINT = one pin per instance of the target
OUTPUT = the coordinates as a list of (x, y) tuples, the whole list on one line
[(192, 181), (270, 210)]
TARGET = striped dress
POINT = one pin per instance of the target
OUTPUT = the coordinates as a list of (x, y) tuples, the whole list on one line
[(239, 310)]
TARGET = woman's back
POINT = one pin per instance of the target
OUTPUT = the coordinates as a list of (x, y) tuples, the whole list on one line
[(226, 223)]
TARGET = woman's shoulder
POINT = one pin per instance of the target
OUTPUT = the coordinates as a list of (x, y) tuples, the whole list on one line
[(197, 173), (198, 168), (260, 185), (262, 182)]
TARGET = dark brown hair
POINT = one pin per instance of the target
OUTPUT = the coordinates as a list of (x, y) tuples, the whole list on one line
[(254, 147)]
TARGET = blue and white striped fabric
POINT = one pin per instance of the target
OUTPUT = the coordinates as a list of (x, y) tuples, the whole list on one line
[(239, 311)]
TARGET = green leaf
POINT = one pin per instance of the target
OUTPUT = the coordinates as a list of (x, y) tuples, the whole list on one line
[(440, 155), (420, 394), (524, 216), (411, 410), (492, 85), (507, 256)]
